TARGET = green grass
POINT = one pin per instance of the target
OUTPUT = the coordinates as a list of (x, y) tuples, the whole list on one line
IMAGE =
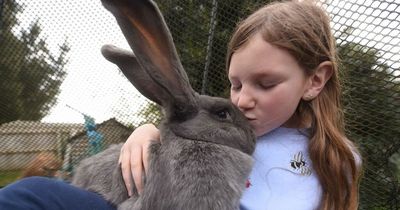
[(7, 177)]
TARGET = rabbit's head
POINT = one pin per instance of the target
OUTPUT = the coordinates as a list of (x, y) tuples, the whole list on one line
[(156, 71)]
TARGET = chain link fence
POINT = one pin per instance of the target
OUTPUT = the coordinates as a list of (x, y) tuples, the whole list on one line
[(60, 101)]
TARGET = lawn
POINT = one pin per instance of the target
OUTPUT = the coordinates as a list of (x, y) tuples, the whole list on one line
[(6, 177)]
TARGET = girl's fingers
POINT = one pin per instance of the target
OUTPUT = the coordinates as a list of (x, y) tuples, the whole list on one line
[(145, 156), (134, 156), (136, 167), (126, 169)]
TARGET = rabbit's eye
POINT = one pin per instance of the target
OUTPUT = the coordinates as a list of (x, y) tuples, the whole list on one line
[(223, 114)]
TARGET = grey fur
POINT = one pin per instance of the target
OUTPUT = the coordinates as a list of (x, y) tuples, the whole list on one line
[(204, 157)]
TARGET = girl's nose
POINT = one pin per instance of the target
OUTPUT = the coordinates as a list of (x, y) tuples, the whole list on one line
[(245, 100)]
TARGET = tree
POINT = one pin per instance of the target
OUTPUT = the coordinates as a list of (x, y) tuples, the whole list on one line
[(150, 113), (30, 75), (371, 107)]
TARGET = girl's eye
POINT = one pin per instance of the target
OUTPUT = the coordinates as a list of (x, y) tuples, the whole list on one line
[(235, 84), (235, 87), (266, 86)]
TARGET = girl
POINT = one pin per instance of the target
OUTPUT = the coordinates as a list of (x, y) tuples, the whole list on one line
[(282, 66), (283, 70)]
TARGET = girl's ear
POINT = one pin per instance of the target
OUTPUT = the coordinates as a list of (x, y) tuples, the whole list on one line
[(318, 80)]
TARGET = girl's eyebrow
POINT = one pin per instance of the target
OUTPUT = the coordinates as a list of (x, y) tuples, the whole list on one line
[(265, 75), (259, 74)]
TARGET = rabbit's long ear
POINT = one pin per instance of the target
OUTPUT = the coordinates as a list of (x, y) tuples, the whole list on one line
[(128, 64), (148, 35)]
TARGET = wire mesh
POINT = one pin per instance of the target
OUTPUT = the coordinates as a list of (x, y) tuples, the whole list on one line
[(54, 80)]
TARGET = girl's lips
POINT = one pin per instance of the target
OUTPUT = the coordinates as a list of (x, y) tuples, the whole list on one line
[(250, 119)]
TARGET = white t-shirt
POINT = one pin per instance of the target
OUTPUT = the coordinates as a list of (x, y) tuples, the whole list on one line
[(282, 177)]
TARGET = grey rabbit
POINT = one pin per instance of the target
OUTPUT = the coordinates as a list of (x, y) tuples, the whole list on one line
[(204, 157)]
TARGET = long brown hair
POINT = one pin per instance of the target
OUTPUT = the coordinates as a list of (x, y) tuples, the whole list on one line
[(302, 28)]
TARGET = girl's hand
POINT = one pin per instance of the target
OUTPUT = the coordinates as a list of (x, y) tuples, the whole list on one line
[(134, 155)]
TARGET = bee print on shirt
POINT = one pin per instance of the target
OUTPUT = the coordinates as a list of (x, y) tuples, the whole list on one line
[(298, 163)]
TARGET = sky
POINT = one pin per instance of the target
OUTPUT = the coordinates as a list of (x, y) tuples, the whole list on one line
[(95, 87), (376, 20)]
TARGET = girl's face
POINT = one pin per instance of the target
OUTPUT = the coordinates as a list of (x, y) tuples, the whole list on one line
[(266, 85)]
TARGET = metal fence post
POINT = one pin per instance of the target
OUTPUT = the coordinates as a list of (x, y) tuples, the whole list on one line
[(209, 46), (1, 16)]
